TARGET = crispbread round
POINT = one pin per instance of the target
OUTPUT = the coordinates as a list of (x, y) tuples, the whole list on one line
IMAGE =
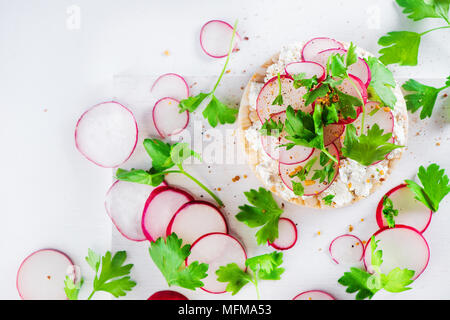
[(247, 117)]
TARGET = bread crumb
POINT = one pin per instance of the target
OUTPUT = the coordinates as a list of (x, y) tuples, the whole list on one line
[(350, 228), (237, 178), (166, 53), (245, 176)]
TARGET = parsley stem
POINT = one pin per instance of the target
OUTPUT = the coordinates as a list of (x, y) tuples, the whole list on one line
[(329, 155), (424, 33), (227, 60), (255, 282), (91, 295)]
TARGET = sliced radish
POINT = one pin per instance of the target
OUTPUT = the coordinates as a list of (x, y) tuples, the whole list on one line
[(215, 37), (382, 117), (170, 85), (160, 207), (346, 249), (167, 119), (316, 45), (106, 134), (217, 250), (291, 96), (167, 295), (332, 132), (287, 235), (271, 146), (411, 212), (41, 275), (310, 69), (347, 87), (311, 187), (195, 219), (124, 204), (403, 247), (314, 295)]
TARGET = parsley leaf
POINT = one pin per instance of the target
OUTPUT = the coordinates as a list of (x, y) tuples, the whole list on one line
[(264, 213), (71, 288), (328, 200), (193, 102), (389, 212), (357, 281), (272, 128), (279, 98), (169, 256), (435, 186), (367, 149), (401, 47), (301, 81), (351, 56), (235, 276), (421, 96), (420, 9), (382, 81)]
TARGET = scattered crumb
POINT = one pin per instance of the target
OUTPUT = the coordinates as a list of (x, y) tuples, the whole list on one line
[(219, 189), (49, 277), (320, 249), (381, 172), (167, 53), (228, 71), (438, 144), (349, 185), (318, 233), (245, 176), (362, 219), (444, 95), (237, 178), (246, 38), (357, 243), (350, 228), (364, 242)]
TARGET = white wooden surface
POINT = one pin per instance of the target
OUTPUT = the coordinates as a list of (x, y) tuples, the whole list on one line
[(55, 63)]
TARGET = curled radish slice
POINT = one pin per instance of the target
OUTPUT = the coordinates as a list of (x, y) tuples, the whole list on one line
[(124, 204), (170, 85), (106, 134), (310, 69), (346, 249), (195, 219), (375, 114), (311, 187), (411, 212), (314, 295), (167, 295), (160, 207), (215, 37), (316, 45), (271, 146), (167, 119), (403, 247), (291, 96), (287, 235), (41, 275), (348, 86), (332, 132), (217, 250)]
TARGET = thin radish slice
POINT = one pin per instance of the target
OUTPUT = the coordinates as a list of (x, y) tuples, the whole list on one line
[(106, 134), (403, 247), (346, 249), (314, 295), (41, 275), (287, 235), (170, 85), (167, 119), (375, 114), (411, 212), (291, 96), (124, 204), (332, 132), (316, 45), (347, 86), (215, 37), (195, 219), (271, 146), (310, 69), (217, 250), (167, 295), (159, 209), (311, 187)]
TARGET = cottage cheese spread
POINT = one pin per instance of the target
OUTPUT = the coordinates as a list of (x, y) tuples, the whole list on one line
[(354, 180)]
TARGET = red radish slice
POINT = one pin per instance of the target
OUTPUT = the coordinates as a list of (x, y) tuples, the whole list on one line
[(314, 295), (215, 37), (291, 96), (311, 187), (195, 219), (159, 209), (170, 85), (106, 134), (346, 249), (217, 250), (411, 212), (383, 117), (316, 45), (347, 87), (167, 295), (403, 247), (287, 235), (271, 146), (41, 275), (124, 204), (167, 119), (332, 132), (310, 69)]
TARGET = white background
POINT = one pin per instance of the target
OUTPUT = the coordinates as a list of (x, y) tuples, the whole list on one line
[(52, 69)]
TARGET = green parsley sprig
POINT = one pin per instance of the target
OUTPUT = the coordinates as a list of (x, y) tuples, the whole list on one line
[(263, 267), (389, 212), (164, 157), (216, 111), (279, 98)]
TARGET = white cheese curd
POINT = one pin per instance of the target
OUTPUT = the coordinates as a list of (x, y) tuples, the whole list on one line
[(289, 53)]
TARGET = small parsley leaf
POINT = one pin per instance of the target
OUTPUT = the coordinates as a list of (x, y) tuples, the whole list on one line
[(401, 47)]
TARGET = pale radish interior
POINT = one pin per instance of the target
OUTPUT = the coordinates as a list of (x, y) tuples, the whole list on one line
[(383, 118), (346, 250), (217, 250), (287, 234), (170, 85), (332, 132), (313, 47), (167, 118), (310, 69), (216, 37)]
